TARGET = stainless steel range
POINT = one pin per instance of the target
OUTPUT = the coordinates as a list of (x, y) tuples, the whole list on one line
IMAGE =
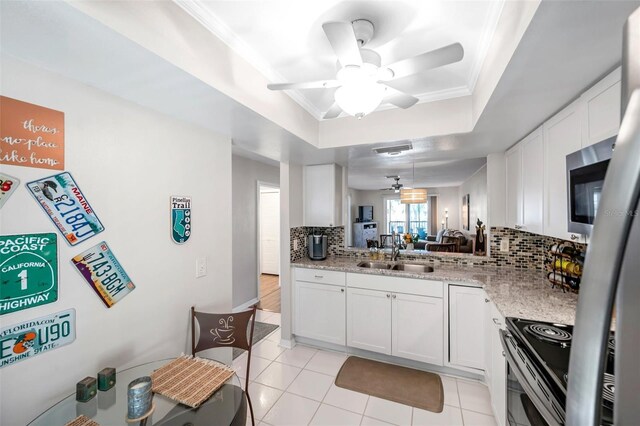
[(538, 365)]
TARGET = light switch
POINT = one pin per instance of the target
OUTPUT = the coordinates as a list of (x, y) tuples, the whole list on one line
[(504, 245), (295, 244), (201, 267)]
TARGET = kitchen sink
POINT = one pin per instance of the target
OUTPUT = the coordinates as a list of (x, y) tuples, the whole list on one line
[(411, 267), (374, 265)]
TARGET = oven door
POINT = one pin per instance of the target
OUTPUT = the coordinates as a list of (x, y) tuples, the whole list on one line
[(528, 402)]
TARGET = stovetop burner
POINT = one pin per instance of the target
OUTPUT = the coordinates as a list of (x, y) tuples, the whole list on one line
[(548, 333), (612, 345), (608, 390)]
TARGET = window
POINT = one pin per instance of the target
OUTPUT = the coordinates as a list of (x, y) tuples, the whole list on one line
[(404, 218)]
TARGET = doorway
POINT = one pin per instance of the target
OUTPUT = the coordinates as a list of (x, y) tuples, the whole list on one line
[(269, 247)]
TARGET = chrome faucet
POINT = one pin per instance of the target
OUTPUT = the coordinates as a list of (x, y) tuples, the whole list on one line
[(395, 247)]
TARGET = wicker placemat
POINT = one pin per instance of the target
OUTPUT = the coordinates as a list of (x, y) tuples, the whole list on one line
[(82, 420), (189, 380)]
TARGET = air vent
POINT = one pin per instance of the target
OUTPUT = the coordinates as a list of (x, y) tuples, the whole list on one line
[(392, 150)]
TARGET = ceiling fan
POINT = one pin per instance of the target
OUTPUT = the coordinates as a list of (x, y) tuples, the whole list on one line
[(395, 187), (362, 82)]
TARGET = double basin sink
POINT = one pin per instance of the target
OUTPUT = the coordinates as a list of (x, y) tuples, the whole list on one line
[(406, 267)]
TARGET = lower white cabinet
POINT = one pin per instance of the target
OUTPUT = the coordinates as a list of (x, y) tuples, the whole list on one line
[(498, 380), (403, 325), (319, 312), (466, 326)]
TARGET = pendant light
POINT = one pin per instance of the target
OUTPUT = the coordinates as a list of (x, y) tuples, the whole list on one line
[(413, 195)]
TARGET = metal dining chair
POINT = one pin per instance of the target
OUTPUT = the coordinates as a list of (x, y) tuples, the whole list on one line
[(232, 330)]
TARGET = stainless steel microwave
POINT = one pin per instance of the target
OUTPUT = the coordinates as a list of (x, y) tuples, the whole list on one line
[(586, 170)]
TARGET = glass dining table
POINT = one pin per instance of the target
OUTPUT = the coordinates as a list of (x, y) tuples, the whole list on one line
[(227, 406)]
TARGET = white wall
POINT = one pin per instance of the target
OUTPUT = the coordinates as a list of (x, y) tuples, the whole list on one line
[(128, 160), (246, 174), (476, 187), (448, 197)]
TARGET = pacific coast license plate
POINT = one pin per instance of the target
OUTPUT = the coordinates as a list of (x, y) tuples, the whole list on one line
[(67, 207)]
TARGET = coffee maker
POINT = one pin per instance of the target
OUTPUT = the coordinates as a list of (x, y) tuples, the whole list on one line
[(317, 246)]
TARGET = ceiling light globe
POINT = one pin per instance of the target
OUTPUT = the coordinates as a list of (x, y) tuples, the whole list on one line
[(359, 98)]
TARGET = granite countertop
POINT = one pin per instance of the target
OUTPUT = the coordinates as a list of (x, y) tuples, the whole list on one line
[(515, 292)]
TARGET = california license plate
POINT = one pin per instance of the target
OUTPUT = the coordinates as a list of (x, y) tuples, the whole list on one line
[(67, 207), (34, 337)]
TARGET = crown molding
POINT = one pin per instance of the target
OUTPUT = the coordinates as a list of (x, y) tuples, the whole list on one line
[(485, 42)]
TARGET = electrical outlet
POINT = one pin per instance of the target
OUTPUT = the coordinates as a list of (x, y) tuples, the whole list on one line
[(504, 245), (295, 244), (201, 267)]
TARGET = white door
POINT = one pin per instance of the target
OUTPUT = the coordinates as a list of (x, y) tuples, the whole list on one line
[(319, 312), (270, 231), (417, 328), (532, 182), (369, 320), (514, 186), (466, 326)]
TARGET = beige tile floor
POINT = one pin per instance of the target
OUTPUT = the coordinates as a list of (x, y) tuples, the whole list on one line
[(295, 387)]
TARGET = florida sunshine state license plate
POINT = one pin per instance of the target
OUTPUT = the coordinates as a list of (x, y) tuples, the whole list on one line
[(67, 207)]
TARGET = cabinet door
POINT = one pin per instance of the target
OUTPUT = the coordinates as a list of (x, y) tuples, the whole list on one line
[(322, 195), (514, 187), (562, 136), (369, 320), (417, 328), (498, 382), (601, 110), (532, 182), (466, 326), (320, 312)]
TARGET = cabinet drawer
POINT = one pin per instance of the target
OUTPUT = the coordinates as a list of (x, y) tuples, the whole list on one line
[(321, 276), (396, 284)]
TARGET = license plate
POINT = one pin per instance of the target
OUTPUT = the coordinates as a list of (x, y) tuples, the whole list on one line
[(67, 207), (100, 268), (34, 337)]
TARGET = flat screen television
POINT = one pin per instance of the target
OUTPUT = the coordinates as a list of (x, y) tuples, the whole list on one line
[(365, 213)]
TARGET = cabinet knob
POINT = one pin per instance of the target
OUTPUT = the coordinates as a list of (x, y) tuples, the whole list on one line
[(486, 300), (342, 290), (574, 237), (503, 353), (318, 276), (393, 296), (518, 226), (496, 322), (388, 295)]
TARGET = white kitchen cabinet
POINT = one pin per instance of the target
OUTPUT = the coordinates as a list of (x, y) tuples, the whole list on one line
[(498, 380), (466, 326), (369, 320), (417, 330), (563, 135), (532, 182), (323, 195), (513, 179), (601, 109), (320, 309)]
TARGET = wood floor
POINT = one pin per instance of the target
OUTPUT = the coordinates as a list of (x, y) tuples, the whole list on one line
[(269, 293)]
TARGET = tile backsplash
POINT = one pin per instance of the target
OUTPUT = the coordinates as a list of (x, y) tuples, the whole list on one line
[(526, 250)]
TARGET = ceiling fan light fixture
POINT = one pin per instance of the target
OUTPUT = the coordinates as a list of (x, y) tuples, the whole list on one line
[(413, 195)]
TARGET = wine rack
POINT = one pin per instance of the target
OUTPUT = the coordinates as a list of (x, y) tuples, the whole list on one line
[(564, 267)]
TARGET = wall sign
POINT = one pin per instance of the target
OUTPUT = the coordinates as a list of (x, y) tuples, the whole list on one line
[(103, 272), (29, 267), (34, 337), (31, 135), (8, 185), (180, 219), (66, 205)]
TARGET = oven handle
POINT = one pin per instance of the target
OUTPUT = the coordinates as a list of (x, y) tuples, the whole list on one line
[(548, 415)]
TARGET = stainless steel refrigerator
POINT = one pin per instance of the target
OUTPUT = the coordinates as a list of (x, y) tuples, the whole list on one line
[(612, 270)]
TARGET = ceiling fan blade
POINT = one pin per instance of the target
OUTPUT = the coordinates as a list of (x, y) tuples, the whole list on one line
[(399, 99), (333, 112), (426, 61), (343, 41), (320, 84)]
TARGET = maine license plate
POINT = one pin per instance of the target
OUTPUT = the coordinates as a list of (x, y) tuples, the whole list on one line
[(103, 272), (34, 337), (66, 205)]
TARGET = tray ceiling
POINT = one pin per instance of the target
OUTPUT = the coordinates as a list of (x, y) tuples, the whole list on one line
[(285, 42)]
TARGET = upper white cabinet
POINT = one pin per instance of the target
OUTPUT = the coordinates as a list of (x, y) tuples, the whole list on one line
[(524, 179), (323, 195), (563, 135), (466, 326), (601, 110)]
